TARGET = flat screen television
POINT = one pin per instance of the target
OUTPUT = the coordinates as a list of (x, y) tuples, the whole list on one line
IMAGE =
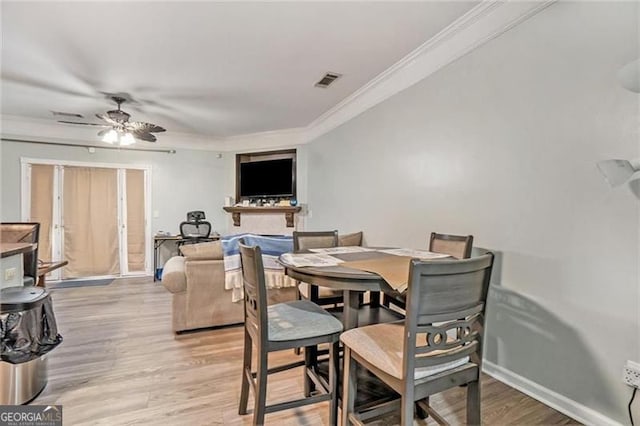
[(268, 178)]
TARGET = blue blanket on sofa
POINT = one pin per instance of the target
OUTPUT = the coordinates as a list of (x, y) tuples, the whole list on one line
[(272, 247)]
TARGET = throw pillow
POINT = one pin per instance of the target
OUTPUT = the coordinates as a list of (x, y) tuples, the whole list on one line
[(209, 250)]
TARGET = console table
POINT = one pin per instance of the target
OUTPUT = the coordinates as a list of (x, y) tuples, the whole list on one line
[(288, 211), (45, 267)]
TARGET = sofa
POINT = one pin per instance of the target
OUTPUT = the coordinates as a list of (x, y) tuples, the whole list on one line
[(196, 280)]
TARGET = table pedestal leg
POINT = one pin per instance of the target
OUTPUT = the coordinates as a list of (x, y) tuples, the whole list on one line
[(350, 309)]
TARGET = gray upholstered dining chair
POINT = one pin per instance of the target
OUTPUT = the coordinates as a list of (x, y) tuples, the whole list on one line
[(421, 357), (281, 326), (311, 240)]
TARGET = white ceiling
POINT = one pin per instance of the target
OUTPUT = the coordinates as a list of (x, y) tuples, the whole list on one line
[(215, 69)]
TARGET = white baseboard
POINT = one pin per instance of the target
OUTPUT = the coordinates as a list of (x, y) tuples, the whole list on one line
[(567, 406)]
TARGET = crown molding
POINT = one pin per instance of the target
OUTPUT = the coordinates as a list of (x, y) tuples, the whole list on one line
[(47, 130), (284, 138), (484, 22)]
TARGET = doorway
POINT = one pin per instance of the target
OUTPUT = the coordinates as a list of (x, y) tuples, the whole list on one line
[(94, 215)]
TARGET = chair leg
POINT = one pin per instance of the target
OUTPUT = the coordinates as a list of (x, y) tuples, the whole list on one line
[(310, 362), (473, 403), (420, 412), (246, 368), (385, 300), (406, 410), (261, 389), (374, 299), (349, 386), (298, 351), (334, 365)]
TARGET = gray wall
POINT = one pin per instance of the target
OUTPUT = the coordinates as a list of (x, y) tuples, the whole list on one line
[(502, 144), (187, 180)]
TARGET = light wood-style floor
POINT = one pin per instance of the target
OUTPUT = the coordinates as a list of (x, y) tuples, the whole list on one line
[(121, 364)]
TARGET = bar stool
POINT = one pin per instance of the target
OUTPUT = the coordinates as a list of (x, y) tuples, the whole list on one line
[(290, 325)]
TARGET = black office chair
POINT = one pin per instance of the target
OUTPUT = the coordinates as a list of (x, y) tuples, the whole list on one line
[(195, 229), (195, 216), (24, 232)]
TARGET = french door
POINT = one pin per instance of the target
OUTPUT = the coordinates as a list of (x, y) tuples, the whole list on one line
[(94, 215)]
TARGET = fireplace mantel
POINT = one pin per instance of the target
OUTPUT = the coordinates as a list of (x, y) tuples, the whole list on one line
[(288, 211)]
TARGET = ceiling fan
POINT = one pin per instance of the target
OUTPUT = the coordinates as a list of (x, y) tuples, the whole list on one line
[(118, 129)]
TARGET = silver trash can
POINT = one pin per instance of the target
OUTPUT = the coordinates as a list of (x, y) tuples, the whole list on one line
[(28, 332)]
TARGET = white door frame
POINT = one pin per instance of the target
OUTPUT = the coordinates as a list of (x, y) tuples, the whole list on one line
[(122, 222), (57, 238)]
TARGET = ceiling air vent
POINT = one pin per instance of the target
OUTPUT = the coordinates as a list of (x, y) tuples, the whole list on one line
[(328, 78), (66, 114)]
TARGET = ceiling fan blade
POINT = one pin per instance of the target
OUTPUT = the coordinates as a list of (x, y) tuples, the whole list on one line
[(139, 126), (173, 119), (144, 136), (83, 124), (104, 131), (108, 119)]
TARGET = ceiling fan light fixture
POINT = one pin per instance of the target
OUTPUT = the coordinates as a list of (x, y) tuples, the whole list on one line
[(115, 137), (119, 129), (110, 137), (127, 139)]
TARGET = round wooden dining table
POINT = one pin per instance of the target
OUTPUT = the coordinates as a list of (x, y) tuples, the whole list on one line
[(353, 282)]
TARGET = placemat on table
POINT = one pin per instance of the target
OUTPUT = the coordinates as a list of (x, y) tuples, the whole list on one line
[(393, 269)]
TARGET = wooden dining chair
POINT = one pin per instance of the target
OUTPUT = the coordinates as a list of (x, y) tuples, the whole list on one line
[(323, 296), (438, 346), (24, 232), (458, 246), (281, 326)]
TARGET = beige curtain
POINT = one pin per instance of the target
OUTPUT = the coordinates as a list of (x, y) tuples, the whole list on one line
[(135, 220), (42, 206), (90, 217)]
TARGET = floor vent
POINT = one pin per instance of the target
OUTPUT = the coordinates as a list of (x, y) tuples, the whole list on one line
[(328, 78)]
